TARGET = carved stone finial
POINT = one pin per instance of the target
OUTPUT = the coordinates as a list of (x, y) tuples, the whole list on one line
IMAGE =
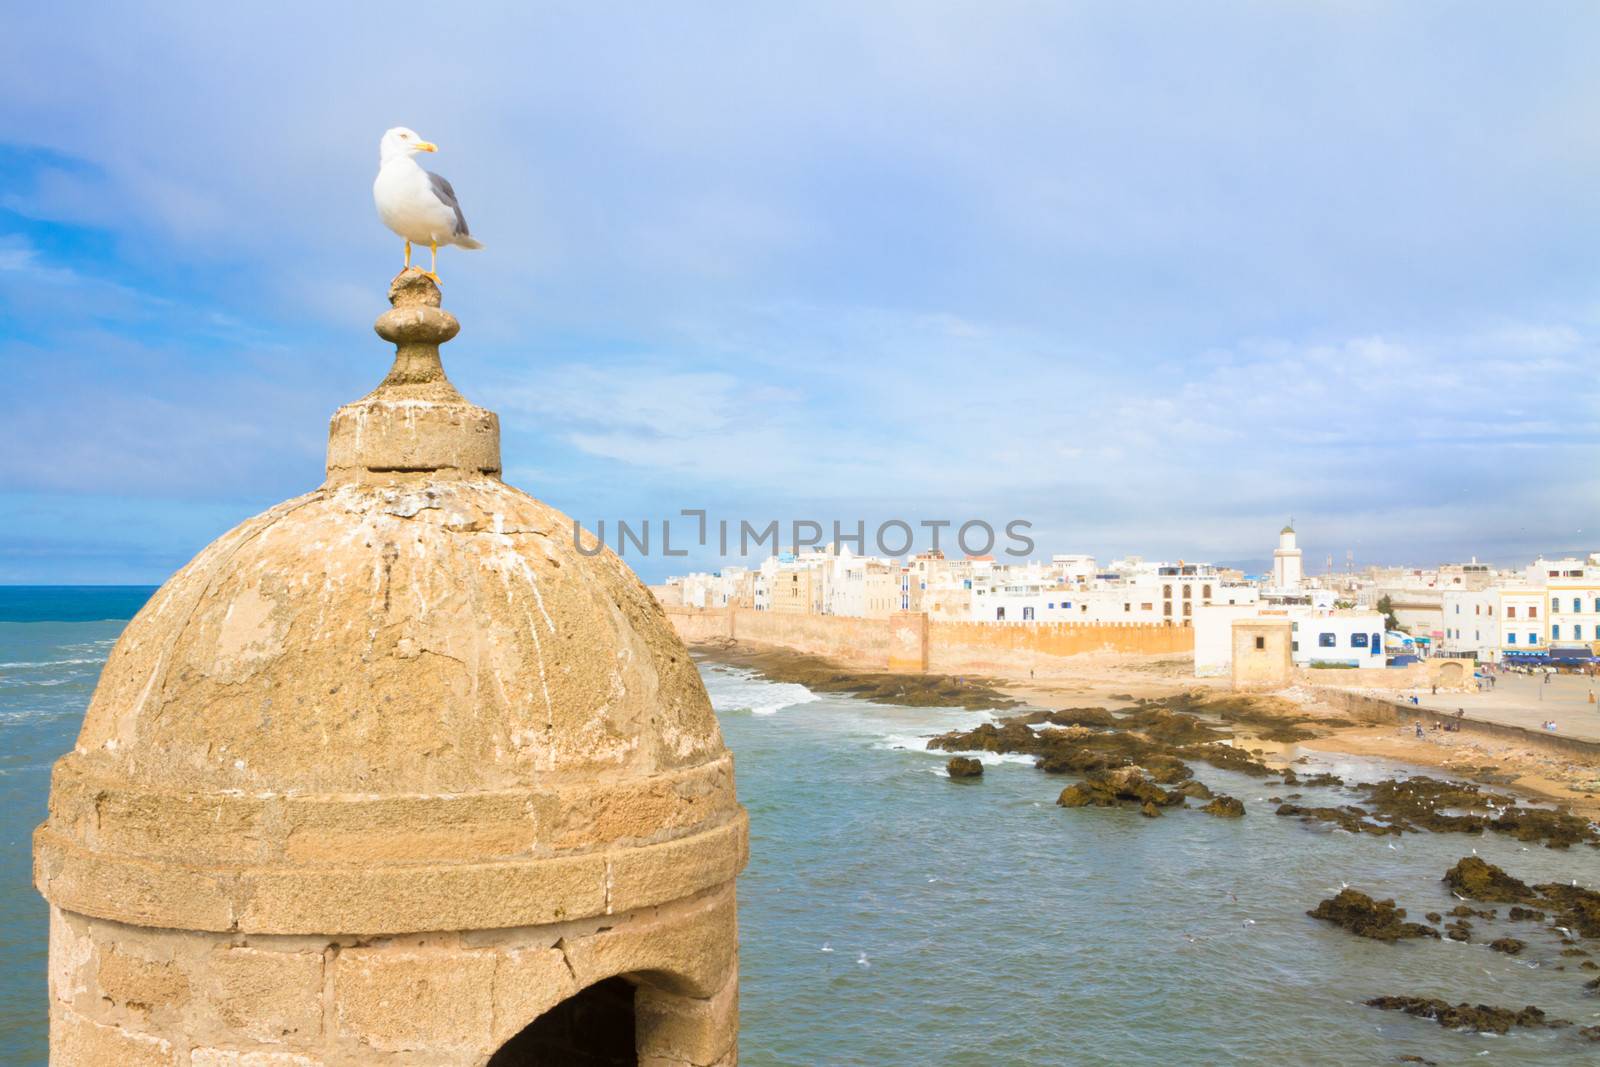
[(415, 423)]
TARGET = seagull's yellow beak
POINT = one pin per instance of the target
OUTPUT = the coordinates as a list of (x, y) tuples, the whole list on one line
[(427, 146)]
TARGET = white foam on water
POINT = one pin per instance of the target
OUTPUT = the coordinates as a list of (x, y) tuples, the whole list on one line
[(734, 689)]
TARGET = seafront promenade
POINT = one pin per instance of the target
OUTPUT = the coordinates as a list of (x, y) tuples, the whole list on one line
[(1529, 701)]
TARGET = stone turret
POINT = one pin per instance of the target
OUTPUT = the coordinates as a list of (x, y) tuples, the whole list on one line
[(394, 774)]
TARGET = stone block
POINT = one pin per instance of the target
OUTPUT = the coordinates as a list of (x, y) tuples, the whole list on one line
[(270, 996), (79, 1042), (227, 1057), (528, 983), (691, 1029), (399, 1000)]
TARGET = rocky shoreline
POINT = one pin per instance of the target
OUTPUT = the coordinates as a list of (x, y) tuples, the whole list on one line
[(1143, 755)]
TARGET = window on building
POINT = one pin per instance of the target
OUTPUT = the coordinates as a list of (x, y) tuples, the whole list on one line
[(1294, 646), (1327, 641), (1533, 611), (1126, 606), (1511, 611), (1533, 639), (1188, 609), (1206, 592), (1027, 614), (1188, 591), (1577, 605), (1358, 640), (1166, 591), (1377, 644), (1555, 603), (1261, 643), (1051, 605), (1511, 639), (1577, 632), (1555, 633), (999, 614), (1166, 609)]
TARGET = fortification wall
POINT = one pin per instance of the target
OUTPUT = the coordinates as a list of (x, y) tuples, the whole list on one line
[(988, 646), (952, 647)]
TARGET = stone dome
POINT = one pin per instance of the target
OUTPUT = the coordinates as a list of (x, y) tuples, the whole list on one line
[(407, 700)]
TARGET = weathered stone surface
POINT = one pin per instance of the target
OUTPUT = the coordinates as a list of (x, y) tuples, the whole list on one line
[(394, 1000), (691, 1029), (527, 983), (79, 1042), (268, 995), (218, 1057)]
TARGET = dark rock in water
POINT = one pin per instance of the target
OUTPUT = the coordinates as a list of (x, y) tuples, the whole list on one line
[(1076, 796), (1379, 920), (1149, 810), (1592, 986), (1124, 785), (1464, 911), (964, 767), (1349, 818), (1517, 914), (1416, 1059), (1434, 917), (1225, 807), (1474, 878), (1195, 789), (1096, 717), (1460, 930), (1322, 780), (1589, 965), (1578, 909), (1574, 952), (1509, 945), (1590, 1032), (1123, 696), (1424, 803), (1483, 1018)]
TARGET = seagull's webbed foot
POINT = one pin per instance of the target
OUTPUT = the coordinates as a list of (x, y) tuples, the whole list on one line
[(431, 274)]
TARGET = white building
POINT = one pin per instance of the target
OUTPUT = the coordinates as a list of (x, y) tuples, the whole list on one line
[(1287, 569), (1320, 638)]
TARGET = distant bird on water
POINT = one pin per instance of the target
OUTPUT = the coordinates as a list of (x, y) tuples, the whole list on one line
[(417, 204)]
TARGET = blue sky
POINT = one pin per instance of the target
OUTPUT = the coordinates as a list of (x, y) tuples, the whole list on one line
[(1153, 277)]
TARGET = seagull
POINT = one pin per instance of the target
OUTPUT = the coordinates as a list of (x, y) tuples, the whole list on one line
[(417, 204)]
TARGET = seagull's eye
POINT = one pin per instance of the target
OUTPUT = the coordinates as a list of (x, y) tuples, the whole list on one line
[(405, 136)]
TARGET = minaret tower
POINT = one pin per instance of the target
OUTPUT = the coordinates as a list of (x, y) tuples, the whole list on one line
[(394, 774), (1286, 566)]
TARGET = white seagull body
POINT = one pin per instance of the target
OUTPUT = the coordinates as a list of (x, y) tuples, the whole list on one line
[(416, 204)]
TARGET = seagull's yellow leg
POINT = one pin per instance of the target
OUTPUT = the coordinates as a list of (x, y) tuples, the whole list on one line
[(433, 268), (408, 255)]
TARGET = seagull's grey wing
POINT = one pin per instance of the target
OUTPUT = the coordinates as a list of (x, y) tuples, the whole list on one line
[(441, 189)]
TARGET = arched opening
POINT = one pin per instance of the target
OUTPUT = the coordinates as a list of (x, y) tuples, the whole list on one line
[(592, 1028), (1452, 674)]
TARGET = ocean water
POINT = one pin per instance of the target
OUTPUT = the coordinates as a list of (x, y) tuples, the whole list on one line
[(53, 642), (893, 916)]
